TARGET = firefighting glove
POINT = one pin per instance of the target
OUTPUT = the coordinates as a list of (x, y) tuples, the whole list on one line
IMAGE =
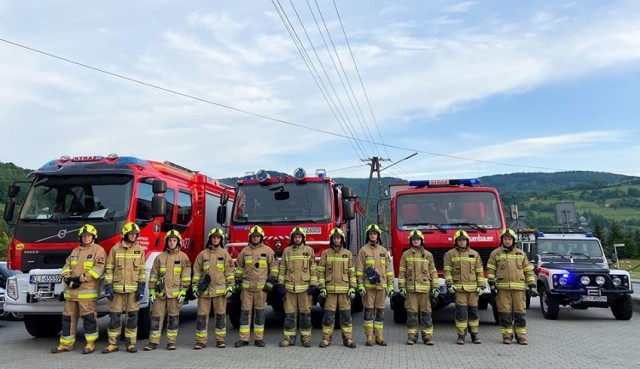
[(362, 290), (182, 295), (282, 291), (323, 292), (228, 291), (152, 296), (203, 285), (480, 290), (435, 292), (372, 275), (194, 290), (140, 291), (268, 287), (403, 292), (312, 290), (389, 290), (108, 291), (493, 288), (73, 282), (238, 285), (352, 293), (451, 288), (532, 291)]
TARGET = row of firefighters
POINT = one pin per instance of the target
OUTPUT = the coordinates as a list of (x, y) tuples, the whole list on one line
[(297, 278)]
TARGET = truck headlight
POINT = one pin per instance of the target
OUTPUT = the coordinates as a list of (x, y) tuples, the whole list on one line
[(600, 280), (12, 288), (616, 281), (585, 280)]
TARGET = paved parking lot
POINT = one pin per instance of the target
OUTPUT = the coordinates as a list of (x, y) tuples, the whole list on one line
[(578, 339)]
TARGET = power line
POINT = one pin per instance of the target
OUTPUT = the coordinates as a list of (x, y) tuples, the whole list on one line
[(278, 120)]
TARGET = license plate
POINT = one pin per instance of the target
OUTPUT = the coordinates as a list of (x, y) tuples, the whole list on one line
[(594, 298), (45, 278)]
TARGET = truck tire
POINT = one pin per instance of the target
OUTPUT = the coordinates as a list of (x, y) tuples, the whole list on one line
[(233, 309), (144, 322), (494, 310), (549, 305), (42, 326), (483, 304), (356, 304), (399, 311), (622, 308)]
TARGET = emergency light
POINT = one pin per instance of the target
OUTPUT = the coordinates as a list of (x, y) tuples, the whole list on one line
[(321, 173), (299, 174), (262, 175), (444, 182)]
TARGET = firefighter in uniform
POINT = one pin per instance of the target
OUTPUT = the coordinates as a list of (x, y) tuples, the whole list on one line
[(417, 283), (337, 283), (464, 277), (125, 279), (168, 282), (80, 273), (298, 275), (258, 270), (375, 283), (213, 276), (509, 274)]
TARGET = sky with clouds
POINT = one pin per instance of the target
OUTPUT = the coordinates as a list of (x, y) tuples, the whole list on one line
[(224, 87)]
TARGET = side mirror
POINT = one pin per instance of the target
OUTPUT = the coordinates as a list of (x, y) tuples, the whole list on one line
[(13, 191), (159, 186), (221, 215), (514, 212), (224, 198), (614, 258), (347, 193), (158, 206), (8, 210), (348, 209)]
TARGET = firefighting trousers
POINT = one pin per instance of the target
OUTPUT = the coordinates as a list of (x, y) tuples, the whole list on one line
[(418, 307), (123, 302), (467, 312), (373, 302), (205, 305), (512, 306), (252, 301), (165, 307), (72, 311), (295, 303), (334, 302)]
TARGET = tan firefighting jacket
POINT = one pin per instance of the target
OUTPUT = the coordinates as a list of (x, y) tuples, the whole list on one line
[(417, 271), (171, 269), (86, 262), (255, 265), (217, 263), (298, 268), (510, 270), (125, 267), (336, 271), (463, 268), (376, 256)]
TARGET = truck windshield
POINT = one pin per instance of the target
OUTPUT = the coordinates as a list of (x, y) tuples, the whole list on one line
[(475, 210), (569, 248), (282, 203), (82, 197)]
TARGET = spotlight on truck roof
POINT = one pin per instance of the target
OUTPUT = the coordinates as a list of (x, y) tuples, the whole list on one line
[(299, 174), (262, 175)]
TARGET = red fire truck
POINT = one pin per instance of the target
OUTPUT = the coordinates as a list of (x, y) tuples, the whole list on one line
[(317, 203), (107, 192), (439, 208)]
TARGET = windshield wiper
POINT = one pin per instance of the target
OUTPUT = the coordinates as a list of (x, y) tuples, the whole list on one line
[(551, 253), (437, 226), (580, 254), (472, 225)]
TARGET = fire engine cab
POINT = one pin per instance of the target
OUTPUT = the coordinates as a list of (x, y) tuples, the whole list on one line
[(105, 191)]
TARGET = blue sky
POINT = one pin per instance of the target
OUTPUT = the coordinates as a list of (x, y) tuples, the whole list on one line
[(475, 87)]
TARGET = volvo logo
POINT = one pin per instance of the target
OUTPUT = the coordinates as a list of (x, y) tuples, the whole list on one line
[(62, 233)]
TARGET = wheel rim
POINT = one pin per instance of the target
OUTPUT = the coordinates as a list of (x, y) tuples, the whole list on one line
[(543, 302)]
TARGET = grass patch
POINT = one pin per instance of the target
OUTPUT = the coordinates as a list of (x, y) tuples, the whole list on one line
[(632, 266)]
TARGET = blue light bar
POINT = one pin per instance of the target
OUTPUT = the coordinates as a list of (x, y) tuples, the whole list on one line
[(444, 182), (321, 173), (131, 160), (588, 234)]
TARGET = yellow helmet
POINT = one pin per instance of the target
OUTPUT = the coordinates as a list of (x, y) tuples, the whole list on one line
[(129, 228), (374, 228), (461, 233), (216, 232), (336, 232), (173, 234), (508, 233), (298, 230), (88, 229), (256, 231), (416, 234)]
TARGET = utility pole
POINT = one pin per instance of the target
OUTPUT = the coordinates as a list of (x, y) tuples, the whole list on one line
[(374, 167)]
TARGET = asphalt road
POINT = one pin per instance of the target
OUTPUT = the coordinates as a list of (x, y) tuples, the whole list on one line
[(578, 339)]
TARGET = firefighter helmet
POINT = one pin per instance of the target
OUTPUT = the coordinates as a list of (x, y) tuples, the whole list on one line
[(172, 234), (337, 232), (216, 232), (130, 227), (461, 234), (256, 231), (374, 228), (298, 231), (88, 229), (416, 234), (508, 233)]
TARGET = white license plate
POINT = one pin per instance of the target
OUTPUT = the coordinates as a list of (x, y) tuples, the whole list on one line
[(45, 278), (594, 298)]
